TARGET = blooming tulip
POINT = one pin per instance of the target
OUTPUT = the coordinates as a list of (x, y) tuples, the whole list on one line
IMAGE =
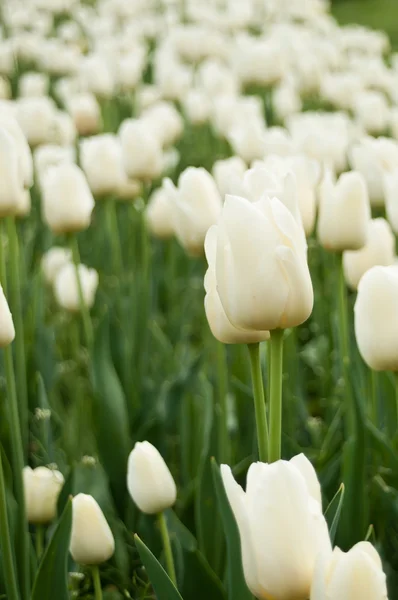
[(281, 525), (261, 266), (350, 575), (142, 151), (376, 318), (53, 261), (378, 250), (91, 541), (66, 288), (42, 487), (149, 480), (344, 212), (7, 331), (102, 163), (196, 206), (67, 202)]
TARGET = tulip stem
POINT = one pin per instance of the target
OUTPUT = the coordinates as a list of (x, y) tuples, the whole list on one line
[(167, 548), (275, 428), (87, 325), (373, 397), (396, 393), (16, 307), (97, 582), (39, 540), (259, 401), (114, 235), (5, 543), (344, 341), (222, 405)]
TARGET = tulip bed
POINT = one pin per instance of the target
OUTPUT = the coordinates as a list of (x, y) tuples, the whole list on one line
[(199, 296)]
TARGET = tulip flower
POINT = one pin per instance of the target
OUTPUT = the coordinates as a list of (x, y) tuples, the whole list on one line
[(92, 542), (164, 121), (36, 118), (158, 214), (372, 111), (350, 575), (53, 261), (281, 526), (42, 488), (378, 250), (85, 112), (376, 318), (66, 286), (25, 163), (344, 212), (7, 330), (228, 174), (196, 206), (32, 84), (12, 189), (102, 162), (142, 151), (67, 202)]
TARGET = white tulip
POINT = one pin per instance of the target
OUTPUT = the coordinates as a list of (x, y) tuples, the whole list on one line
[(344, 212), (85, 112), (25, 163), (376, 318), (51, 155), (36, 119), (42, 487), (149, 481), (286, 101), (53, 261), (281, 525), (66, 287), (91, 541), (248, 140), (33, 84), (196, 206), (220, 326), (11, 188), (159, 214), (67, 202), (7, 330), (197, 107), (102, 162), (142, 151), (64, 130), (261, 266), (372, 112), (164, 121), (390, 186), (350, 575), (96, 77), (228, 174), (378, 250)]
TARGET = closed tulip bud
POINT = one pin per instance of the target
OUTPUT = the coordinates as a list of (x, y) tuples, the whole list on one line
[(67, 202), (350, 575), (96, 76), (142, 151), (64, 131), (247, 140), (228, 174), (53, 261), (66, 289), (220, 326), (159, 214), (281, 505), (196, 206), (92, 542), (85, 112), (11, 189), (286, 101), (164, 121), (149, 481), (36, 119), (262, 273), (344, 212), (24, 204), (33, 84), (25, 163), (378, 250), (376, 318), (7, 331), (372, 112), (197, 107), (42, 487), (102, 163)]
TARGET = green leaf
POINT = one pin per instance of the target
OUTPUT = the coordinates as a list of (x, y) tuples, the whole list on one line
[(333, 512), (110, 416), (236, 586), (52, 577), (163, 586)]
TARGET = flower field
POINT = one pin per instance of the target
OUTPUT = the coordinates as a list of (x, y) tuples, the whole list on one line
[(198, 300)]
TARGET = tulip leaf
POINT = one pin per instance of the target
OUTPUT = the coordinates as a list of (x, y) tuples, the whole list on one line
[(52, 577), (333, 512), (163, 587), (110, 416), (236, 584)]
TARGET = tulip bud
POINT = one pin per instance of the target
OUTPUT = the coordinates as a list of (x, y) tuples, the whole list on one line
[(220, 326), (164, 121), (85, 112), (67, 202), (378, 250), (33, 84), (372, 111), (281, 505), (262, 273), (350, 575), (376, 318), (36, 119), (344, 212), (7, 331), (25, 163), (53, 261), (196, 206), (197, 107), (66, 289), (142, 151), (91, 541), (11, 188), (42, 487), (149, 481), (247, 140), (158, 214), (228, 174), (95, 76), (101, 161)]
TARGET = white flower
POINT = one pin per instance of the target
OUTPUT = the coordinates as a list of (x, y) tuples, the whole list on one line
[(42, 487), (92, 541)]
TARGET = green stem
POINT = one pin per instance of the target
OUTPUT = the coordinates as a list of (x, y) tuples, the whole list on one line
[(259, 401), (344, 342), (87, 325), (97, 582), (114, 235), (275, 427), (16, 308), (396, 395), (373, 396), (167, 548), (39, 541), (222, 413), (5, 543)]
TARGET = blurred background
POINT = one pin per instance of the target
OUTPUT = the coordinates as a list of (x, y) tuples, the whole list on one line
[(379, 14)]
